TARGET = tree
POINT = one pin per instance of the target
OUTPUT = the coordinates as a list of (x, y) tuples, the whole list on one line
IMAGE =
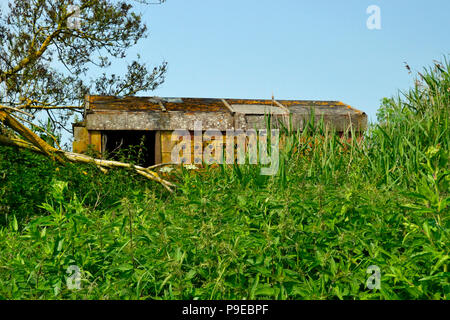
[(47, 48)]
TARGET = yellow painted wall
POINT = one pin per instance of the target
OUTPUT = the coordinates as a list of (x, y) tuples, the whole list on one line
[(167, 146), (80, 139), (83, 138), (95, 139)]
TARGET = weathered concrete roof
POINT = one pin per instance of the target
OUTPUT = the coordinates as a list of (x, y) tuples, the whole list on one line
[(197, 104), (154, 113)]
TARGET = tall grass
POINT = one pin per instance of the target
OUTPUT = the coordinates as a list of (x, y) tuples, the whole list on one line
[(339, 204)]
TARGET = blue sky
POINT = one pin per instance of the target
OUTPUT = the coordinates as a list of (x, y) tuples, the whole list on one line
[(318, 50), (295, 49)]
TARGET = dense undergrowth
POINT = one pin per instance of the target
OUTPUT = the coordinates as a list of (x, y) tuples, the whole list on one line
[(336, 207)]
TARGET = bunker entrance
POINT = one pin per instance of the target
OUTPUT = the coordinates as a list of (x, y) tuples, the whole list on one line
[(137, 147)]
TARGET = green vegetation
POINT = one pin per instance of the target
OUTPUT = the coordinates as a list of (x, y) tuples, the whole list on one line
[(336, 207)]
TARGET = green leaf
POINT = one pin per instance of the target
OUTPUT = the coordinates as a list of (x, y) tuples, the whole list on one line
[(125, 267), (265, 291), (15, 224)]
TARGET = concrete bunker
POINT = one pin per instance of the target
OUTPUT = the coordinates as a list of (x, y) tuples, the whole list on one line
[(111, 123)]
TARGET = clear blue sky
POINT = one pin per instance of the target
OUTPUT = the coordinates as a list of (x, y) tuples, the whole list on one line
[(319, 50)]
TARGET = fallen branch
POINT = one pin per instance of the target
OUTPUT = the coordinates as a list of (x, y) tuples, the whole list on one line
[(81, 158), (35, 143), (159, 165), (33, 138), (77, 157), (41, 129)]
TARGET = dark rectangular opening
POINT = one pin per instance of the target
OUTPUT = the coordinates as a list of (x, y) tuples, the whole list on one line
[(131, 146)]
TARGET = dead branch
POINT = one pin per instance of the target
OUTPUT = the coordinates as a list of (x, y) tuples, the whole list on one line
[(41, 129), (81, 158), (159, 165), (38, 105), (35, 143), (76, 157), (29, 135), (50, 107)]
